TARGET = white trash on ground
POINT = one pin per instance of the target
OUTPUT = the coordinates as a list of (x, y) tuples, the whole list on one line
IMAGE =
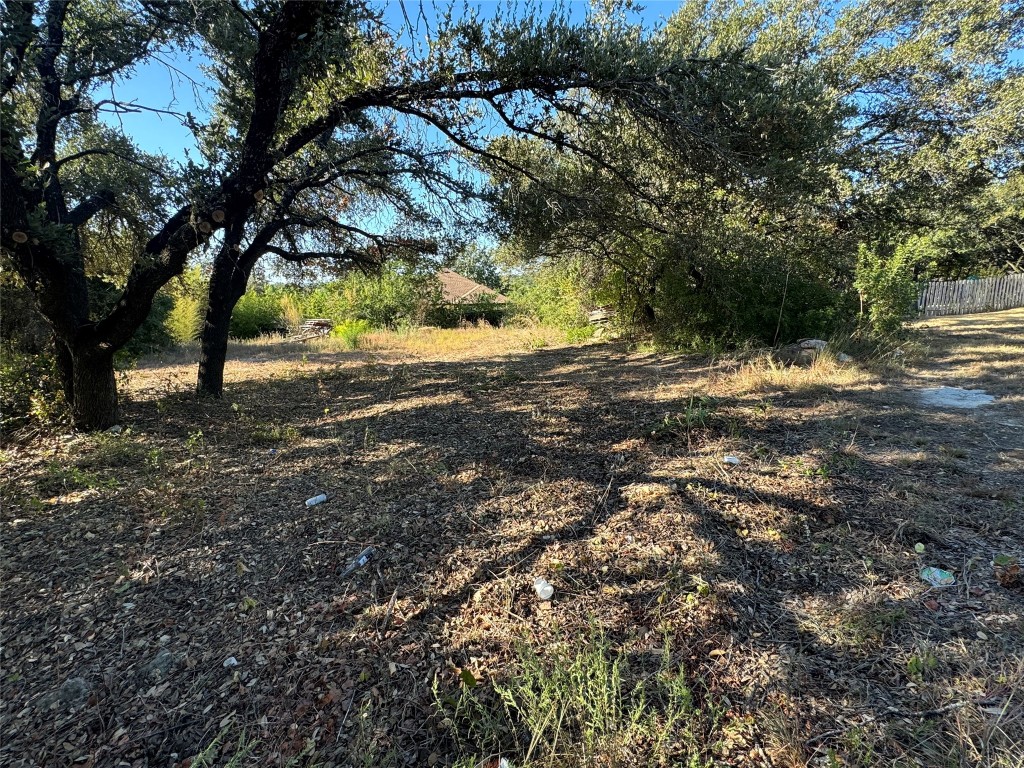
[(316, 500), (734, 460), (954, 397), (543, 589)]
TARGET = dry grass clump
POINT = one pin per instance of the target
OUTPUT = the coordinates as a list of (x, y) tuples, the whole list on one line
[(764, 373), (481, 340)]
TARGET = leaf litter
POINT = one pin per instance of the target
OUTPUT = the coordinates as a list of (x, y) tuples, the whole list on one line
[(789, 591)]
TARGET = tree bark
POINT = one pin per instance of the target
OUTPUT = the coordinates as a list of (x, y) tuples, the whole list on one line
[(65, 369), (94, 406), (227, 285)]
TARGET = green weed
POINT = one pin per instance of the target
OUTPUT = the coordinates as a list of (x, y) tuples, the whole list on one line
[(64, 479), (581, 704), (350, 332), (273, 434)]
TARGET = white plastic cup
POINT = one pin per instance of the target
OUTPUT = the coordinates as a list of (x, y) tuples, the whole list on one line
[(316, 500), (543, 589)]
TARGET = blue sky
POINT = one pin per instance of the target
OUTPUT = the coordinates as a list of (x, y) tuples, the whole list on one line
[(165, 84)]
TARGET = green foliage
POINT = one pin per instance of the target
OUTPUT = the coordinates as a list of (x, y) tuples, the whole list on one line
[(902, 111), (291, 312), (256, 313), (394, 297), (580, 334), (444, 315), (552, 294), (350, 331), (185, 319), (887, 282), (188, 293), (581, 704), (30, 392)]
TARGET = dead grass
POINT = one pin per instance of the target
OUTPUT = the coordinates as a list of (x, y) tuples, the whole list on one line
[(482, 341), (771, 611)]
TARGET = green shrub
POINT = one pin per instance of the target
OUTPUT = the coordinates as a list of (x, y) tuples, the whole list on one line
[(581, 333), (553, 295), (395, 296), (30, 392), (185, 319), (350, 332), (291, 312), (255, 314), (887, 282)]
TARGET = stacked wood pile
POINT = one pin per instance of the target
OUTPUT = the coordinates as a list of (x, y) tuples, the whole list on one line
[(315, 328)]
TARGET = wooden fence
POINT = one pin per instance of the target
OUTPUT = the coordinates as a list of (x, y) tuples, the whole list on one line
[(962, 297)]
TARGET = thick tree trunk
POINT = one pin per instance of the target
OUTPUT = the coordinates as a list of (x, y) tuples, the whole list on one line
[(650, 317), (94, 406), (227, 285), (65, 369)]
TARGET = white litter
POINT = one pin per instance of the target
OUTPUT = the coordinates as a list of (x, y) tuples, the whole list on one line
[(732, 460), (230, 661), (316, 500), (543, 589), (954, 397)]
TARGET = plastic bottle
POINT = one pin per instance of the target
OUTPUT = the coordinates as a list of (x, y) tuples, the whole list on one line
[(543, 589), (316, 500)]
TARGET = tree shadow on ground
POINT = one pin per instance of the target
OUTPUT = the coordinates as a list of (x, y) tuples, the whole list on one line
[(468, 478)]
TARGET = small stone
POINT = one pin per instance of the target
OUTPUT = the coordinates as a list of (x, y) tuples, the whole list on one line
[(160, 667), (842, 357), (74, 692)]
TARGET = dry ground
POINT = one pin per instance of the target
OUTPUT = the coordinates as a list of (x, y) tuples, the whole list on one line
[(135, 567)]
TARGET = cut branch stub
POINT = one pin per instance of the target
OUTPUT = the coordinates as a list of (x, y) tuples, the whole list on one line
[(258, 195), (218, 215), (19, 237), (205, 228)]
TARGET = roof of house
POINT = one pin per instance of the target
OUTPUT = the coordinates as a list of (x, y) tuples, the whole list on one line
[(456, 289)]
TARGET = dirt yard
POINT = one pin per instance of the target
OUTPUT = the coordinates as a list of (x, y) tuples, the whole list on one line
[(167, 594)]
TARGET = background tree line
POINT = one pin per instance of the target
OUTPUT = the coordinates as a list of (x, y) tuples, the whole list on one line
[(746, 170)]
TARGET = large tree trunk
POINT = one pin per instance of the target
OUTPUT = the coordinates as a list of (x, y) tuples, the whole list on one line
[(65, 369), (94, 406), (227, 285)]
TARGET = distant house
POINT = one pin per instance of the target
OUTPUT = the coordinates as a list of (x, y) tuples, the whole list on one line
[(456, 289), (469, 300)]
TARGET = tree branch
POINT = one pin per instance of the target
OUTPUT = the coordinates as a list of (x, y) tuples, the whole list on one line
[(89, 207)]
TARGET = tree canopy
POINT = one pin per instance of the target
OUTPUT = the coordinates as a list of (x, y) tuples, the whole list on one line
[(864, 124), (302, 88), (714, 176)]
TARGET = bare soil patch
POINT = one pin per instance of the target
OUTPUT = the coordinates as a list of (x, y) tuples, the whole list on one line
[(136, 567)]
